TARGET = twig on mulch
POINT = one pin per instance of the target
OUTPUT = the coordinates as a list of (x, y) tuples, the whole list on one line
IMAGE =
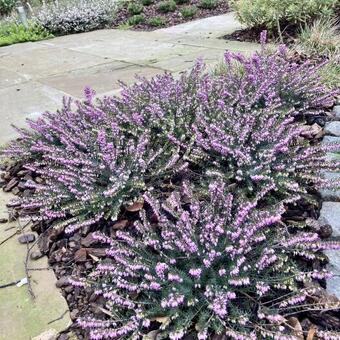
[(59, 318), (37, 269), (30, 290), (29, 248)]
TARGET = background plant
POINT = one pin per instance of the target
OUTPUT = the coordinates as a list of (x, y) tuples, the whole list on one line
[(321, 38), (76, 16), (12, 32), (208, 4), (147, 2), (135, 8), (156, 21), (188, 11), (216, 265), (6, 6), (181, 2), (166, 6), (273, 14), (136, 19)]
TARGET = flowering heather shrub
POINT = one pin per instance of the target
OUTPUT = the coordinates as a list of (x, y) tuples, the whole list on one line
[(198, 127), (219, 264), (90, 164), (76, 16)]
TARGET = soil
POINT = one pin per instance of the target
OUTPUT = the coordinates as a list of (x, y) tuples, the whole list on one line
[(171, 18), (253, 35)]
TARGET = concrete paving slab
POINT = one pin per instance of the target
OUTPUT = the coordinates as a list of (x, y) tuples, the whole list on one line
[(21, 317), (110, 36), (26, 100), (185, 61), (48, 60), (221, 44), (135, 51), (19, 49), (208, 27), (330, 214), (9, 78), (102, 79)]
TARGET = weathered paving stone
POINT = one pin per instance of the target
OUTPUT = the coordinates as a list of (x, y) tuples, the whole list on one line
[(333, 128), (330, 139), (333, 284), (336, 111), (36, 254), (330, 214), (26, 238), (331, 195)]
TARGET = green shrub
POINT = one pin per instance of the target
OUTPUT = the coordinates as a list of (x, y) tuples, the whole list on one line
[(188, 11), (167, 6), (135, 8), (181, 2), (12, 32), (272, 13), (322, 38), (6, 6), (156, 21), (208, 4), (330, 73), (136, 19), (147, 2)]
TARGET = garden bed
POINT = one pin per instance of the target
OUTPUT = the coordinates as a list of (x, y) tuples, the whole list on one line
[(253, 35), (158, 14)]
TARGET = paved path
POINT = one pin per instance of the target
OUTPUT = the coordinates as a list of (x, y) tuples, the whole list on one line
[(35, 76)]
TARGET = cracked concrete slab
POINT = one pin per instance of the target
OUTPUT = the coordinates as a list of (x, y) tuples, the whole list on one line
[(9, 78), (28, 317), (48, 60), (22, 101), (102, 78), (208, 27)]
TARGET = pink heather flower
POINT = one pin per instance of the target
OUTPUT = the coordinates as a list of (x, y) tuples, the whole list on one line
[(195, 272)]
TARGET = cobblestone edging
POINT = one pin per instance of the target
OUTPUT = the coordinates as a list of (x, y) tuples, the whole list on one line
[(330, 211)]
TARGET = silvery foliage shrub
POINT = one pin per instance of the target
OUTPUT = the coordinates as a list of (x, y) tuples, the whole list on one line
[(76, 16), (6, 6), (206, 265), (237, 127), (268, 13)]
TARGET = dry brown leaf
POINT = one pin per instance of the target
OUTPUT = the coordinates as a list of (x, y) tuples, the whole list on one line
[(161, 319), (135, 206), (151, 335), (295, 323), (311, 333), (80, 255), (94, 258), (120, 224), (310, 131)]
